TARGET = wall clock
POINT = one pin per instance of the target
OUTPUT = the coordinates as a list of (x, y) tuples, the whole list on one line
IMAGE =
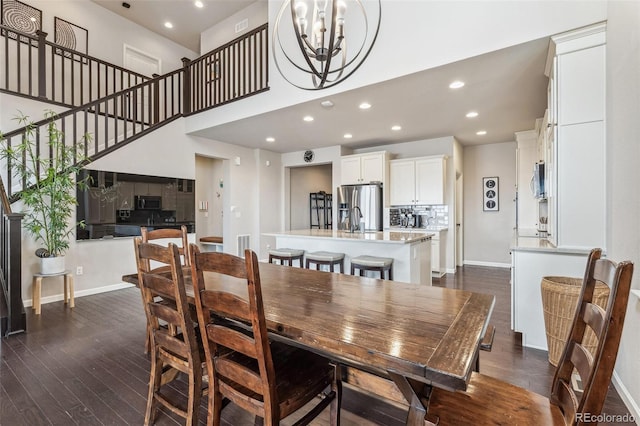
[(308, 156)]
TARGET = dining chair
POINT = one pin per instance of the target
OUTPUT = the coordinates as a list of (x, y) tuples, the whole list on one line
[(491, 401), (166, 234), (269, 379), (170, 352)]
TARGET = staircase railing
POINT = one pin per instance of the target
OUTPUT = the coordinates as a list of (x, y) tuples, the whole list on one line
[(12, 315), (36, 67)]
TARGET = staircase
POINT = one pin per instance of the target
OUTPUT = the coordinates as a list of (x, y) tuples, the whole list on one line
[(111, 105)]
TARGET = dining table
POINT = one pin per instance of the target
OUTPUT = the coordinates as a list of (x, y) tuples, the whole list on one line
[(382, 332)]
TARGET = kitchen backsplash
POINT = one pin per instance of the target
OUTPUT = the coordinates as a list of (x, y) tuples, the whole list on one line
[(434, 215)]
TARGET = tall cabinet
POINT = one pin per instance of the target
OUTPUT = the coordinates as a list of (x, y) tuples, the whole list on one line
[(576, 146)]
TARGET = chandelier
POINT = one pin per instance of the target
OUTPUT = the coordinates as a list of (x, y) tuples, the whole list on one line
[(319, 56)]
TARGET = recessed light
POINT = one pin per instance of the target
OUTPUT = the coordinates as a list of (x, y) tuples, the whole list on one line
[(481, 132), (32, 19), (168, 24), (199, 4), (472, 114), (365, 105), (396, 128), (308, 118), (326, 104), (456, 84), (270, 139), (348, 135)]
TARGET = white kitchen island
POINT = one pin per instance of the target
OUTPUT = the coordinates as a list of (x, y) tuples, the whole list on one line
[(411, 251)]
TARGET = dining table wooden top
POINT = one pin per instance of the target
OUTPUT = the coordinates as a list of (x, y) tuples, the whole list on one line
[(425, 333)]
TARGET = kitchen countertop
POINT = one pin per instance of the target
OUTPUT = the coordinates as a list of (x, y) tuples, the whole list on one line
[(529, 242), (374, 237), (431, 228)]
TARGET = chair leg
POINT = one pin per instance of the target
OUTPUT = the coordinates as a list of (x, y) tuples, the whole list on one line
[(195, 394), (215, 406), (154, 385), (342, 266), (391, 273)]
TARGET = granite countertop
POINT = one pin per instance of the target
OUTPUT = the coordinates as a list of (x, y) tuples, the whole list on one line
[(374, 237), (430, 228)]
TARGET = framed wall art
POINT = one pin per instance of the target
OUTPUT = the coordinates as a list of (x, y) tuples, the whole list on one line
[(21, 17), (70, 36), (490, 194)]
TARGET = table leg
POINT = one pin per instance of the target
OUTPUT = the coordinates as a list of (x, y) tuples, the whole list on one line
[(68, 279), (36, 293), (409, 389)]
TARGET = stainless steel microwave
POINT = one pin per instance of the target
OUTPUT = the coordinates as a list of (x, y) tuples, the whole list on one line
[(148, 202)]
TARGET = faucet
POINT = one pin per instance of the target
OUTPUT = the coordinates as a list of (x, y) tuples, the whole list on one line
[(355, 224)]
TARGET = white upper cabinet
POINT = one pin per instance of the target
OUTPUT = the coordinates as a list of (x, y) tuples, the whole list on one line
[(417, 181), (364, 168)]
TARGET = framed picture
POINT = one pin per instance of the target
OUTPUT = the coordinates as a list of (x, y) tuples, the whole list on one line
[(21, 17), (72, 37), (490, 194)]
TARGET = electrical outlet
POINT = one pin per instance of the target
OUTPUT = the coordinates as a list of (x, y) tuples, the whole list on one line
[(268, 246), (79, 270)]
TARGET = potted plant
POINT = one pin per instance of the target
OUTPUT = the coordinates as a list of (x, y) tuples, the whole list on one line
[(49, 201)]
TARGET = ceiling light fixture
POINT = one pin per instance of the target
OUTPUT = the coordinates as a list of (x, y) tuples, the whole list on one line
[(471, 114), (456, 84), (308, 118), (364, 105), (168, 24), (396, 128), (348, 135), (481, 132), (199, 4), (270, 139), (322, 30)]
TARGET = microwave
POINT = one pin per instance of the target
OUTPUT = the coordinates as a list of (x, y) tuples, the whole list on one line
[(538, 181), (148, 202)]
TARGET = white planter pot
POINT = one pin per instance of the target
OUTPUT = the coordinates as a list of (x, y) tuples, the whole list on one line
[(51, 265)]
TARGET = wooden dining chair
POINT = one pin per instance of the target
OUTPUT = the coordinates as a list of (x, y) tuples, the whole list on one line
[(489, 401), (166, 234), (269, 379), (170, 352)]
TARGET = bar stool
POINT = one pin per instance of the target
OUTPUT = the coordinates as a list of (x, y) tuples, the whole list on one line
[(286, 256), (325, 258), (372, 263)]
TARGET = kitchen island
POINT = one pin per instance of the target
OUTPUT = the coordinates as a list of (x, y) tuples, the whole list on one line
[(411, 251)]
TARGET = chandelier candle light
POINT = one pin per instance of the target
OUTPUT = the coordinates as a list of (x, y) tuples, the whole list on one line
[(322, 30)]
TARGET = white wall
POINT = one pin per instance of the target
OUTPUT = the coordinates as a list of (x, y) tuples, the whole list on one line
[(480, 27), (209, 174), (269, 199), (305, 180), (257, 14), (623, 177), (109, 32), (488, 235)]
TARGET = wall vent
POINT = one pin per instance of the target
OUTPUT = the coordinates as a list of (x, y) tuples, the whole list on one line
[(242, 25), (244, 242)]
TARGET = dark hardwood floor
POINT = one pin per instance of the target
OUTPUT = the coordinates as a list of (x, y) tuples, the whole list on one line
[(86, 366)]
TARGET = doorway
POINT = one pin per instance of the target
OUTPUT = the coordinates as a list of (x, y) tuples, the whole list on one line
[(209, 197), (303, 181), (459, 229)]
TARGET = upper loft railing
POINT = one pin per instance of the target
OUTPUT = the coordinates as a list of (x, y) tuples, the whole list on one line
[(36, 67), (228, 73)]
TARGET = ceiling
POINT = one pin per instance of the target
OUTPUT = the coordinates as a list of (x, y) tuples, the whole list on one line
[(188, 21), (506, 87)]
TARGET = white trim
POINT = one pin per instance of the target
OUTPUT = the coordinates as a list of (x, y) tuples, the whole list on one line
[(81, 293), (636, 293), (451, 270), (491, 264), (628, 400), (127, 47)]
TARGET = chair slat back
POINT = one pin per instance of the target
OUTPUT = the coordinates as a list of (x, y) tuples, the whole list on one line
[(254, 344), (169, 234), (595, 371), (168, 284)]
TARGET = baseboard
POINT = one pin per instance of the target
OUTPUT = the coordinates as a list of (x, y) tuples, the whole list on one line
[(81, 293), (490, 264), (628, 400)]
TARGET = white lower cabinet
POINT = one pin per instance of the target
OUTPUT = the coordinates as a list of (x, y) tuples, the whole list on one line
[(438, 255)]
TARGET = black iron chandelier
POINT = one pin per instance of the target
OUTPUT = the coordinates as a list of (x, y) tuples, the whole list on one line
[(323, 28)]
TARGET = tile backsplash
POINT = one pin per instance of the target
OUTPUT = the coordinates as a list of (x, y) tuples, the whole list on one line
[(433, 215)]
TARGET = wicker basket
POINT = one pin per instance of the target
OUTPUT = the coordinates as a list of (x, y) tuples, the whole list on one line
[(559, 300)]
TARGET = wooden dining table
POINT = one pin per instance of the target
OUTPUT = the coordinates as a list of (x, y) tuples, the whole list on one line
[(415, 335)]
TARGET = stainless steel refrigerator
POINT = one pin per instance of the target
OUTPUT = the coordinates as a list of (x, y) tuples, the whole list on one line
[(360, 206)]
